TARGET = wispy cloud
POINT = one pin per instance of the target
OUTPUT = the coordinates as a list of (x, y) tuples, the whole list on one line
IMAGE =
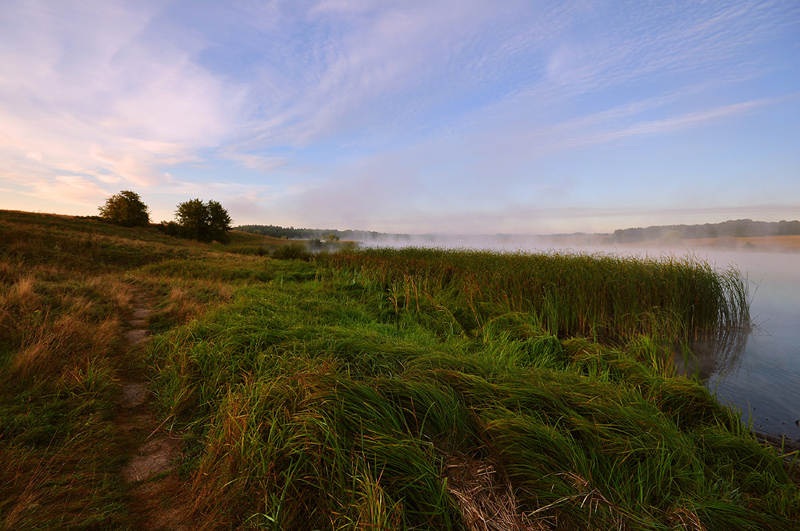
[(355, 111), (89, 90)]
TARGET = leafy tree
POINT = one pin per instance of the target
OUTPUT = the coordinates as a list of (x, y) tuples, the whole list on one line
[(126, 208), (203, 222), (192, 217), (219, 223)]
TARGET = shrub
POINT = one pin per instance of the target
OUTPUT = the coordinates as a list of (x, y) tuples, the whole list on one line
[(294, 251)]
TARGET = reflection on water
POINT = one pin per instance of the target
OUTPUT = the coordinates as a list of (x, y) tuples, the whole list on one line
[(758, 373), (718, 355)]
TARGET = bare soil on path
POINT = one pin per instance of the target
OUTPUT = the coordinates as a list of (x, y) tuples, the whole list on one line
[(157, 499)]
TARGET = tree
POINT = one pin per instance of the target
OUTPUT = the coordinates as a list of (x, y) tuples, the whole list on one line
[(203, 222), (219, 223), (192, 217), (126, 208)]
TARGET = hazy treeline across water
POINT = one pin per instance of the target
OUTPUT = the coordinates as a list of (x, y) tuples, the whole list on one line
[(728, 229), (740, 228)]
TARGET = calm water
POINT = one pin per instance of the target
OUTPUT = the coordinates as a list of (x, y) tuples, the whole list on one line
[(761, 376)]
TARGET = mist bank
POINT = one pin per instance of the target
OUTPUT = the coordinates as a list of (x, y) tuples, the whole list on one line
[(742, 234), (374, 238)]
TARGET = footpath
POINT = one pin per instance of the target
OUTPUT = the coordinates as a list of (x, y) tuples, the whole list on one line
[(156, 496)]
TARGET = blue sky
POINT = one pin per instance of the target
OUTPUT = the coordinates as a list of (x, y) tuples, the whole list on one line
[(459, 116)]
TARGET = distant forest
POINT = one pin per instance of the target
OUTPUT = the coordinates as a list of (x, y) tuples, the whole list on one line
[(727, 229), (292, 233)]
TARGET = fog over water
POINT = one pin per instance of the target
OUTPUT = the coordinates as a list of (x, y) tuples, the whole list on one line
[(757, 373)]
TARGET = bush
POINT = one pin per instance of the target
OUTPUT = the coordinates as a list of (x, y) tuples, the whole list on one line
[(294, 251), (127, 209), (170, 228)]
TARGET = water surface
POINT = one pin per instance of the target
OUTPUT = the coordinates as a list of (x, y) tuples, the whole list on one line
[(763, 380)]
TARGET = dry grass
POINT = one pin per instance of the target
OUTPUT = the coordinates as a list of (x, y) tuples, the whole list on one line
[(59, 333), (64, 298), (182, 305), (50, 327), (686, 520), (67, 286), (22, 481), (20, 299), (486, 496)]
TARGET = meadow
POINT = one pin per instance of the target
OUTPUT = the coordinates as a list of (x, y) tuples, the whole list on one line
[(372, 389)]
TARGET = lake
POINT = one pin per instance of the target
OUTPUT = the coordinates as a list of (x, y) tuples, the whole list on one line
[(761, 377)]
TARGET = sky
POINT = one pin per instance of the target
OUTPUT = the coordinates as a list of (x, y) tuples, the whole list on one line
[(434, 116)]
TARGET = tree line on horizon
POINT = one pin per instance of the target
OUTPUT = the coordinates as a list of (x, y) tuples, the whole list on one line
[(194, 219), (738, 228), (210, 221), (292, 233)]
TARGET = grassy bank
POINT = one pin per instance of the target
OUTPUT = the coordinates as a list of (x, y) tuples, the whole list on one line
[(323, 400), (66, 286), (376, 389)]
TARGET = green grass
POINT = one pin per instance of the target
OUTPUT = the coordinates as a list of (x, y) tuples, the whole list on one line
[(405, 389), (66, 286)]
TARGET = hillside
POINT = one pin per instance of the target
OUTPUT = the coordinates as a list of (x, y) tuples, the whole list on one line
[(149, 382)]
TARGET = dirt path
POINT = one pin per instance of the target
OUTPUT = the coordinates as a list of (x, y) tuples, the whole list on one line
[(157, 499)]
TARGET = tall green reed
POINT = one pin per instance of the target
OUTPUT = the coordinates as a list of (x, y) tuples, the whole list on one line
[(601, 296)]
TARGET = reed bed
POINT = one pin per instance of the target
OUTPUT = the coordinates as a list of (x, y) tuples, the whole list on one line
[(311, 405), (569, 294)]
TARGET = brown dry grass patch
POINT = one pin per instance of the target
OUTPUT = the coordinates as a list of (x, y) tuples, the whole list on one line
[(486, 497)]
